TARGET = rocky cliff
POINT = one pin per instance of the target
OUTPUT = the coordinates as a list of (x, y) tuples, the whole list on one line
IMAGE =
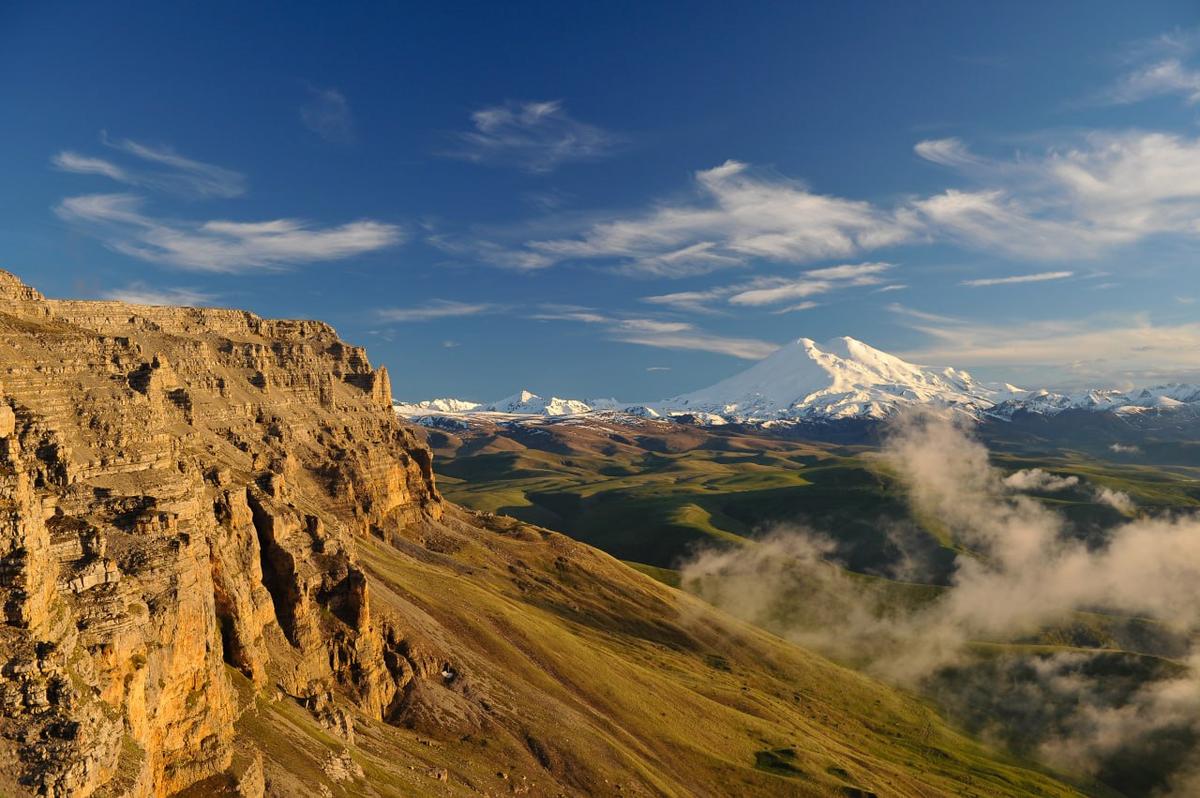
[(225, 569)]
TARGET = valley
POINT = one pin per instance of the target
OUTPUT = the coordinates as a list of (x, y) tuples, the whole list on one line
[(685, 502)]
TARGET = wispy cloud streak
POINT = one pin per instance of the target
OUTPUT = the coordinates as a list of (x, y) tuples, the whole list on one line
[(534, 136)]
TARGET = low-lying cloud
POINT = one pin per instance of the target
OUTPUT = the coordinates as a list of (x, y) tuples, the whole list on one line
[(1035, 479), (1025, 572)]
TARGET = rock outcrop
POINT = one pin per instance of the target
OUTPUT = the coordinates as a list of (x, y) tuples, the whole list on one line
[(182, 489)]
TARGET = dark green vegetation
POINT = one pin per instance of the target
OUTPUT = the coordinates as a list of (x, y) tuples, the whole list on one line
[(653, 492)]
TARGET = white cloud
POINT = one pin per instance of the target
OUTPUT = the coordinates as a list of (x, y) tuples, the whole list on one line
[(737, 215), (652, 326), (1110, 190), (784, 292), (947, 152), (435, 309), (535, 136), (763, 291), (219, 245), (694, 301), (138, 293), (660, 334), (1169, 76), (797, 307), (744, 348), (1080, 201), (812, 283), (167, 171), (1040, 277), (1117, 499), (327, 113), (86, 165), (658, 368), (181, 174), (1036, 479), (1120, 349), (489, 253)]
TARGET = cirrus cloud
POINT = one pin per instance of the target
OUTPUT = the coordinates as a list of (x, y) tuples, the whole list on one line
[(220, 246), (534, 136)]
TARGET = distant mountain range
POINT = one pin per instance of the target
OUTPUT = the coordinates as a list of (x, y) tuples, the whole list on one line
[(842, 379)]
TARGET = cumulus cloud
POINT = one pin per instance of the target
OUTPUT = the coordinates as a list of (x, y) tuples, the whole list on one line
[(534, 136), (1025, 572), (220, 246), (327, 113), (1122, 448)]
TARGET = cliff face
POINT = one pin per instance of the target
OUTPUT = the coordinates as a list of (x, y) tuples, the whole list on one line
[(225, 570), (182, 490)]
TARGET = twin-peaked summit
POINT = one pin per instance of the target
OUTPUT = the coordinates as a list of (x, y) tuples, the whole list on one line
[(841, 378)]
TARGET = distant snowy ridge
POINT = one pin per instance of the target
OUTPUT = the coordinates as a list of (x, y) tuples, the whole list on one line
[(435, 406), (842, 379), (1139, 400), (522, 403)]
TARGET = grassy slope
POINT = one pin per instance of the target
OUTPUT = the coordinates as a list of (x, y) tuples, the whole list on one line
[(653, 501), (609, 678), (654, 507)]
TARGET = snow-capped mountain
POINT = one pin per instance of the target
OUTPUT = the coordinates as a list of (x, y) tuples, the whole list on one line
[(529, 403), (435, 406), (842, 379), (1140, 400), (522, 403), (839, 379)]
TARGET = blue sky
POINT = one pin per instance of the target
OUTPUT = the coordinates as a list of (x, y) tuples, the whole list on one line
[(625, 198)]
